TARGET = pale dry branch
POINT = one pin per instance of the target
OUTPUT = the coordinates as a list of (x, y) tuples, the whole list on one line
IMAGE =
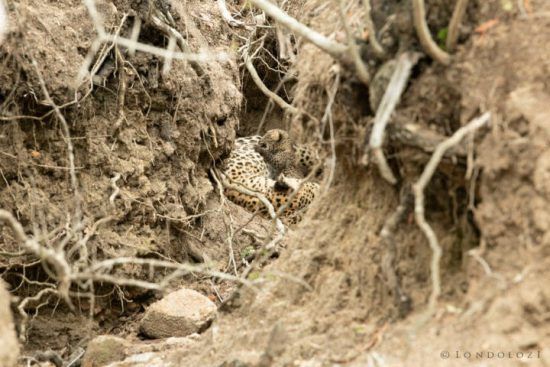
[(419, 210), (327, 117), (422, 138), (47, 255), (161, 52), (105, 51), (168, 61), (136, 28), (116, 189), (360, 68), (23, 313), (387, 238), (335, 49), (423, 32), (286, 51), (281, 231), (96, 17), (477, 254), (454, 24), (84, 275), (270, 209), (285, 106), (81, 246), (173, 36), (3, 21), (391, 97), (121, 94), (97, 271), (70, 149), (133, 45), (226, 15), (120, 281), (269, 106), (376, 46)]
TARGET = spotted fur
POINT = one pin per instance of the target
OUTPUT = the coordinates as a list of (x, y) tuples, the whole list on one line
[(283, 156), (259, 167)]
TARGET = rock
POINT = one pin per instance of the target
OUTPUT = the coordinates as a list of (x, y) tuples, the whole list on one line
[(112, 351), (105, 349), (9, 346), (180, 313), (150, 359), (154, 353)]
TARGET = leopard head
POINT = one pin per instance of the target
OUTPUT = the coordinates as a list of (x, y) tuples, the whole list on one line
[(276, 148)]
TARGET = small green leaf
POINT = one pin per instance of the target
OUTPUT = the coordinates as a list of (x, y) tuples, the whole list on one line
[(442, 37)]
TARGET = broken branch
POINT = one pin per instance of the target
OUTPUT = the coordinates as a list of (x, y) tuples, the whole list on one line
[(360, 67), (419, 210), (454, 24), (285, 106), (391, 97), (335, 49), (226, 15), (376, 46), (423, 32)]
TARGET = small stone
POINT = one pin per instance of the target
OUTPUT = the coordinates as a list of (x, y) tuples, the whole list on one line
[(105, 349), (180, 313), (168, 149)]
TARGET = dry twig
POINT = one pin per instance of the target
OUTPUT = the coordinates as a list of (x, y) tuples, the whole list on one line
[(122, 86), (335, 49), (24, 316), (454, 24), (285, 106), (116, 189), (270, 209), (327, 117), (132, 45), (418, 189), (362, 72), (376, 46), (3, 21), (70, 149), (55, 258), (423, 32), (97, 272), (226, 15), (391, 97), (387, 237)]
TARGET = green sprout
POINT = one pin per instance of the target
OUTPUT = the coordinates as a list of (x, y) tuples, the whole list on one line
[(442, 37)]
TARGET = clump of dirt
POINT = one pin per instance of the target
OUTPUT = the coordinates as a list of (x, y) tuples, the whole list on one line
[(492, 228), (154, 137)]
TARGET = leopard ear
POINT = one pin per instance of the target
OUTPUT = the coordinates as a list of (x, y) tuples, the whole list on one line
[(281, 135)]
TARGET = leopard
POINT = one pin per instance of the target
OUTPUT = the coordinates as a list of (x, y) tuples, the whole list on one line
[(273, 166), (285, 157)]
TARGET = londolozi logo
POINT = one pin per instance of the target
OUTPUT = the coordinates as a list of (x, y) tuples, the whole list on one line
[(488, 354)]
